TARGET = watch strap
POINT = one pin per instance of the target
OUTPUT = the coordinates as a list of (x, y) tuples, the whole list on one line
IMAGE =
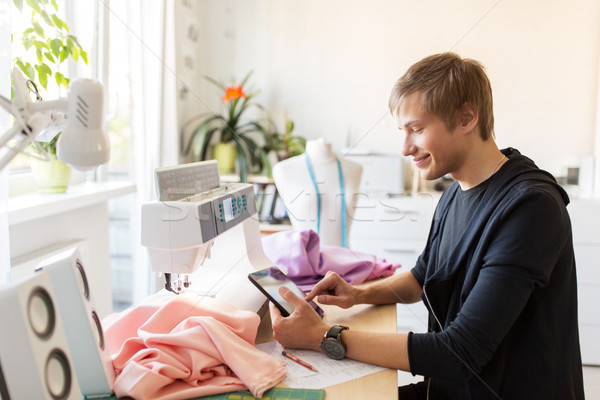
[(335, 331)]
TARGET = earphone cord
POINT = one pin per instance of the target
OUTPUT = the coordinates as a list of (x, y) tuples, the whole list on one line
[(453, 352)]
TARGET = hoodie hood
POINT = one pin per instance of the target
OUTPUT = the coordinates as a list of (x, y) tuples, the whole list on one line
[(522, 168), (509, 186)]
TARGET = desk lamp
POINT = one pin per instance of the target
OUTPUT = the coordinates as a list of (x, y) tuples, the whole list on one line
[(83, 143)]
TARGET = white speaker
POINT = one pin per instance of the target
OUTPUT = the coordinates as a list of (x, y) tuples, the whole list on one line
[(35, 360), (91, 359)]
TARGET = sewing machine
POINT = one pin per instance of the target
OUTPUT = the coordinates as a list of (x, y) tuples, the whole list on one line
[(199, 222)]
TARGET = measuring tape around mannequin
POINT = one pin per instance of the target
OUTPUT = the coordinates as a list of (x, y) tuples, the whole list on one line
[(343, 193)]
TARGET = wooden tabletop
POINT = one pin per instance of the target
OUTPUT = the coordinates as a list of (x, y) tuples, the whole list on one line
[(380, 385)]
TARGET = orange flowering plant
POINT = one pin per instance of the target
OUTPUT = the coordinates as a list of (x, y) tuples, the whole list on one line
[(230, 127)]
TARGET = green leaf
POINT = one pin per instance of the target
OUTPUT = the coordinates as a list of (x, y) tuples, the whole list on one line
[(30, 71), (64, 53), (40, 57), (59, 23), (18, 4), (289, 126), (61, 80), (75, 54), (218, 84), (27, 31), (43, 77), (54, 4), (19, 63), (199, 133), (83, 55), (243, 82), (49, 57), (27, 43), (55, 47), (46, 17), (34, 4), (75, 40), (40, 45), (38, 28), (242, 162), (44, 67)]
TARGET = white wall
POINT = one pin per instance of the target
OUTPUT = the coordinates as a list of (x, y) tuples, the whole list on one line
[(329, 64)]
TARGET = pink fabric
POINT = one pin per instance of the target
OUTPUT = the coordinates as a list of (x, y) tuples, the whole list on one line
[(184, 346), (308, 262)]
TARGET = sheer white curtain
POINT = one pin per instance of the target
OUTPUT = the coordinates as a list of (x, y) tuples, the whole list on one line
[(154, 141), (4, 125)]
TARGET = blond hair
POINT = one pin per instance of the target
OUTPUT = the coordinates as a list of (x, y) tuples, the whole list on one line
[(446, 82)]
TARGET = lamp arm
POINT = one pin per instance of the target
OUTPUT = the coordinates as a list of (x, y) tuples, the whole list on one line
[(10, 152), (60, 105), (6, 104)]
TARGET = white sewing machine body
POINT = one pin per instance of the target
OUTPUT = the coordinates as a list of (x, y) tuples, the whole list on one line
[(206, 232)]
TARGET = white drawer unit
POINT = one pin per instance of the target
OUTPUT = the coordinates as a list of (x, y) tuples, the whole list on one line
[(585, 219), (395, 228)]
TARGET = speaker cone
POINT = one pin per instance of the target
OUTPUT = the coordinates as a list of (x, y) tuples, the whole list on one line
[(82, 280), (58, 375), (98, 333), (41, 313)]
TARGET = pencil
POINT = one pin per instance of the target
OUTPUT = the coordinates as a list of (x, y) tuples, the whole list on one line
[(297, 360)]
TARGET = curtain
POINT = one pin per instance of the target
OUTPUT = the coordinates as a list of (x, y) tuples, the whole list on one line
[(154, 139), (5, 7)]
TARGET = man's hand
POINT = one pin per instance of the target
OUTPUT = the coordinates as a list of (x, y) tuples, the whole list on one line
[(303, 329), (334, 290)]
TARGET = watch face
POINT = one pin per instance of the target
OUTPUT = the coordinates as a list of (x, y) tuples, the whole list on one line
[(333, 349)]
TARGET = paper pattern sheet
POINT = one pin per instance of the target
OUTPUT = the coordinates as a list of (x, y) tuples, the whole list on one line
[(331, 372)]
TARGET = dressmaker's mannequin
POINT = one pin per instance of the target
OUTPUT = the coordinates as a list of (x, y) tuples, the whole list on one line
[(297, 189)]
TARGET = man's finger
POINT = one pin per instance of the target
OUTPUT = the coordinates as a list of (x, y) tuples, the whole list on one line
[(321, 287), (290, 297), (275, 313)]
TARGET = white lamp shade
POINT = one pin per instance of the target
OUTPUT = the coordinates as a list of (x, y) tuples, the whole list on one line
[(83, 143)]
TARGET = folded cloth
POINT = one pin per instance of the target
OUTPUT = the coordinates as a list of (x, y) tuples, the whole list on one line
[(186, 346), (307, 262)]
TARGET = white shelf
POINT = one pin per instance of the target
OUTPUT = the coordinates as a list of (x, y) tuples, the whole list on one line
[(34, 206)]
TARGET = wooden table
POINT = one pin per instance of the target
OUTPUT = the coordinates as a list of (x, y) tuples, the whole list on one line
[(380, 385)]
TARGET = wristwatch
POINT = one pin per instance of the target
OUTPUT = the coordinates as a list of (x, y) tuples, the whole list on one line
[(332, 345)]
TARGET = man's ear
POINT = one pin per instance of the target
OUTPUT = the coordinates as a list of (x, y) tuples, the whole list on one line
[(468, 117)]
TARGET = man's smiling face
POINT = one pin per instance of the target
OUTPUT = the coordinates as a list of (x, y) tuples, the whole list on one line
[(434, 149)]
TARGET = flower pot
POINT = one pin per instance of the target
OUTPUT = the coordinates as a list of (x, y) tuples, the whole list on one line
[(225, 154), (51, 176)]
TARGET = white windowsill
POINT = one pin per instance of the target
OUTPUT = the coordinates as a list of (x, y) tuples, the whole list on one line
[(35, 205)]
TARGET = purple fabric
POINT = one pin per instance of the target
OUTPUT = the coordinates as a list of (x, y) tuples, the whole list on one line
[(307, 262)]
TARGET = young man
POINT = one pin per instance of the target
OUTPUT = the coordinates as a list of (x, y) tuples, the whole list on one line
[(498, 270)]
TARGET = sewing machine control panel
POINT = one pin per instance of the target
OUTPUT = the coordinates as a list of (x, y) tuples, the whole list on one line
[(232, 207), (226, 210)]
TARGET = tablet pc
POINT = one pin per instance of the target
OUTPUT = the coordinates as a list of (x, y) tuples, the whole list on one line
[(269, 280)]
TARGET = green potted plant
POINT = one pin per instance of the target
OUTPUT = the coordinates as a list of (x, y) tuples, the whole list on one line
[(284, 145), (228, 134), (39, 51)]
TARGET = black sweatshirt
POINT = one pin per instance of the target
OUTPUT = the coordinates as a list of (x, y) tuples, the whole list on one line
[(506, 296)]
